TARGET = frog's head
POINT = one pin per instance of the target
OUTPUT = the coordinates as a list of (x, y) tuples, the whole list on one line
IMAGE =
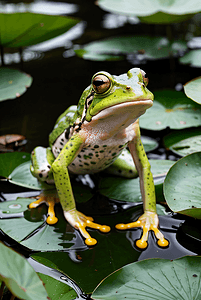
[(108, 93)]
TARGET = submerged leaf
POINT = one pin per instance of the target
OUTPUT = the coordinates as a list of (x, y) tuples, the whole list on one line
[(153, 279), (182, 186), (13, 83)]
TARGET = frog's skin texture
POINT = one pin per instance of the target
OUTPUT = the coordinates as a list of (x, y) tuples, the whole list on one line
[(93, 137)]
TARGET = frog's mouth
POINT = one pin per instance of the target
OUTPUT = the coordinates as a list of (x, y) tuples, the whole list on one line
[(133, 108)]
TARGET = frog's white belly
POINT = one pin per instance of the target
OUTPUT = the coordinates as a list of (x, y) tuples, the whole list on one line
[(97, 156)]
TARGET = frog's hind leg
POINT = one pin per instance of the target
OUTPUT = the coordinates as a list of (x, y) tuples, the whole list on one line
[(42, 159), (50, 198), (123, 166)]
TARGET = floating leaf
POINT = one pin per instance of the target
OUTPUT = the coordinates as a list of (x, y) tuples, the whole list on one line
[(192, 58), (25, 29), (192, 88), (153, 279), (16, 168), (178, 136), (149, 144), (182, 186), (124, 189), (19, 276), (13, 83), (145, 46), (10, 161), (187, 146), (57, 289), (171, 109), (160, 12)]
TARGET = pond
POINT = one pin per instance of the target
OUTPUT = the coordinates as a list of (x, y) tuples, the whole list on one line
[(61, 68)]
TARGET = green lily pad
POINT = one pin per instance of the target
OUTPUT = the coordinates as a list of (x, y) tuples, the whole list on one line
[(171, 109), (57, 289), (187, 146), (15, 167), (26, 29), (182, 186), (192, 88), (19, 276), (161, 12), (30, 228), (13, 83), (10, 161), (153, 279), (124, 189), (149, 144), (192, 58), (177, 136), (145, 46)]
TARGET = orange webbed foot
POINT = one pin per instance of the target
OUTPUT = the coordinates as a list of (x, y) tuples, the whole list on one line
[(80, 222), (50, 201), (148, 221)]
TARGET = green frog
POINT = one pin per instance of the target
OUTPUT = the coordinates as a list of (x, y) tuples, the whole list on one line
[(101, 133)]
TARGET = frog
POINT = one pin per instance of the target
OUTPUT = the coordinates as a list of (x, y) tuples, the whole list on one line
[(100, 134)]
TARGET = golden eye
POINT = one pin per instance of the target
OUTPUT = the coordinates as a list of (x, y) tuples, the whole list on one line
[(101, 83)]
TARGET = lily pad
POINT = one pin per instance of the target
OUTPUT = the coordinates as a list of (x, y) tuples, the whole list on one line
[(192, 88), (144, 46), (26, 29), (13, 83), (149, 144), (171, 109), (159, 12), (187, 146), (192, 58), (57, 289), (16, 168), (153, 279), (19, 276), (182, 186), (124, 189), (178, 136), (30, 227)]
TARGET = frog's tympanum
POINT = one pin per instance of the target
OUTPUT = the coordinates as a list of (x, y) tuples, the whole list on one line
[(94, 136)]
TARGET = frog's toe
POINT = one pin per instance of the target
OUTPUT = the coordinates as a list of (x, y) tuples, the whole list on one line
[(148, 221), (81, 222), (50, 201)]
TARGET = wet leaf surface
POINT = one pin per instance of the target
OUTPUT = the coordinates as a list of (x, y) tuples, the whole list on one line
[(182, 186), (25, 284), (192, 88), (154, 278), (171, 109), (13, 83)]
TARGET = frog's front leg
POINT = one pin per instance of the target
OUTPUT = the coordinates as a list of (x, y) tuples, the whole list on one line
[(149, 220), (65, 193)]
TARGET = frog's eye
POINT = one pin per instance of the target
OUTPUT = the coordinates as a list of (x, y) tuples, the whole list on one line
[(101, 83)]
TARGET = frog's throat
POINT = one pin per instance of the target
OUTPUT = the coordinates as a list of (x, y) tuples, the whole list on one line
[(138, 108)]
